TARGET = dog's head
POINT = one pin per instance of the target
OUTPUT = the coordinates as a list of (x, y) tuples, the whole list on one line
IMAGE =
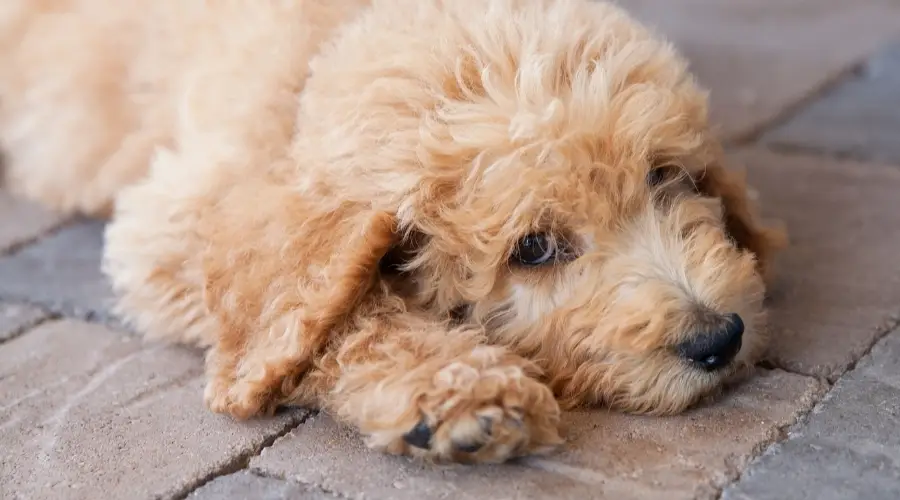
[(553, 179)]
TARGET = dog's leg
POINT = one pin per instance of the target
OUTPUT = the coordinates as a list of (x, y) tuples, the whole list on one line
[(417, 389)]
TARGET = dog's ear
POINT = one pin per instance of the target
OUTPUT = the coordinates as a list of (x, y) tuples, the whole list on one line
[(741, 220), (283, 274)]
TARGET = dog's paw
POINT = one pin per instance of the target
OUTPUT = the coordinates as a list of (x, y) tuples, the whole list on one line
[(241, 400), (481, 414)]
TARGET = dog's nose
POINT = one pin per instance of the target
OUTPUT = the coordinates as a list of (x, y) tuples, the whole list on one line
[(717, 345)]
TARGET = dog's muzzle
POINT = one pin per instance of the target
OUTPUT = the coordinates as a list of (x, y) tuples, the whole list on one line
[(716, 346)]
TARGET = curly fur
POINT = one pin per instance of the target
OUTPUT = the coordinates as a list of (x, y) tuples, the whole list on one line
[(326, 194)]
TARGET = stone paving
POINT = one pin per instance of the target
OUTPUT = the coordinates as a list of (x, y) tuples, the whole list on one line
[(807, 93)]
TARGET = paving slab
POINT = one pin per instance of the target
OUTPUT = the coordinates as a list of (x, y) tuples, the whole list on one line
[(859, 118), (16, 318), (609, 455), (759, 57), (22, 221), (88, 413), (838, 284), (848, 449), (61, 272), (245, 485)]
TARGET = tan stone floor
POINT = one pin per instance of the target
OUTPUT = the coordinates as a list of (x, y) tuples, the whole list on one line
[(807, 92)]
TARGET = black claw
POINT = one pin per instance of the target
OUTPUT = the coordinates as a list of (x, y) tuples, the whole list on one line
[(419, 436), (282, 409), (469, 447)]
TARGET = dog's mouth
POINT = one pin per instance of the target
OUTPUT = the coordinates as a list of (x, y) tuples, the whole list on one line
[(719, 358)]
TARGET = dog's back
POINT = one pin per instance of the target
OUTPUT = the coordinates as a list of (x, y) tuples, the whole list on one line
[(90, 88)]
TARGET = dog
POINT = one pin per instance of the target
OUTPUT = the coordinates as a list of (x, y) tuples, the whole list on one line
[(441, 221)]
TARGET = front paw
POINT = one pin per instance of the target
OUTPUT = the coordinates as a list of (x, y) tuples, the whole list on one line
[(241, 400), (480, 414)]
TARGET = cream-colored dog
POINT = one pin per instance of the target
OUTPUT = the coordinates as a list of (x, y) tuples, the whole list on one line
[(439, 220)]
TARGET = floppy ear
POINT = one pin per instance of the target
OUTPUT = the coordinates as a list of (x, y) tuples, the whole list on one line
[(283, 274), (741, 219)]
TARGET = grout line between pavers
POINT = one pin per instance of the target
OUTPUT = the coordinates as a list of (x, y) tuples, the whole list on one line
[(281, 477), (50, 231), (779, 435), (792, 149), (62, 310), (790, 110), (785, 432), (242, 460), (45, 317), (892, 323)]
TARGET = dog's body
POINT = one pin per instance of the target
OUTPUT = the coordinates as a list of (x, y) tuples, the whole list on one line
[(437, 219)]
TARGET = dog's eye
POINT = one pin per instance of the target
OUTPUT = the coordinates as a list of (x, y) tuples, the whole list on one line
[(661, 174), (535, 249)]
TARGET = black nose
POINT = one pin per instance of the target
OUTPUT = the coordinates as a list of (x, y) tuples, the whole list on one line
[(716, 345)]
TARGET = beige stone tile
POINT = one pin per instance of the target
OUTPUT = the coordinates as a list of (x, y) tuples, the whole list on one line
[(609, 455), (855, 119), (838, 287), (759, 56), (86, 412), (245, 486), (21, 221)]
